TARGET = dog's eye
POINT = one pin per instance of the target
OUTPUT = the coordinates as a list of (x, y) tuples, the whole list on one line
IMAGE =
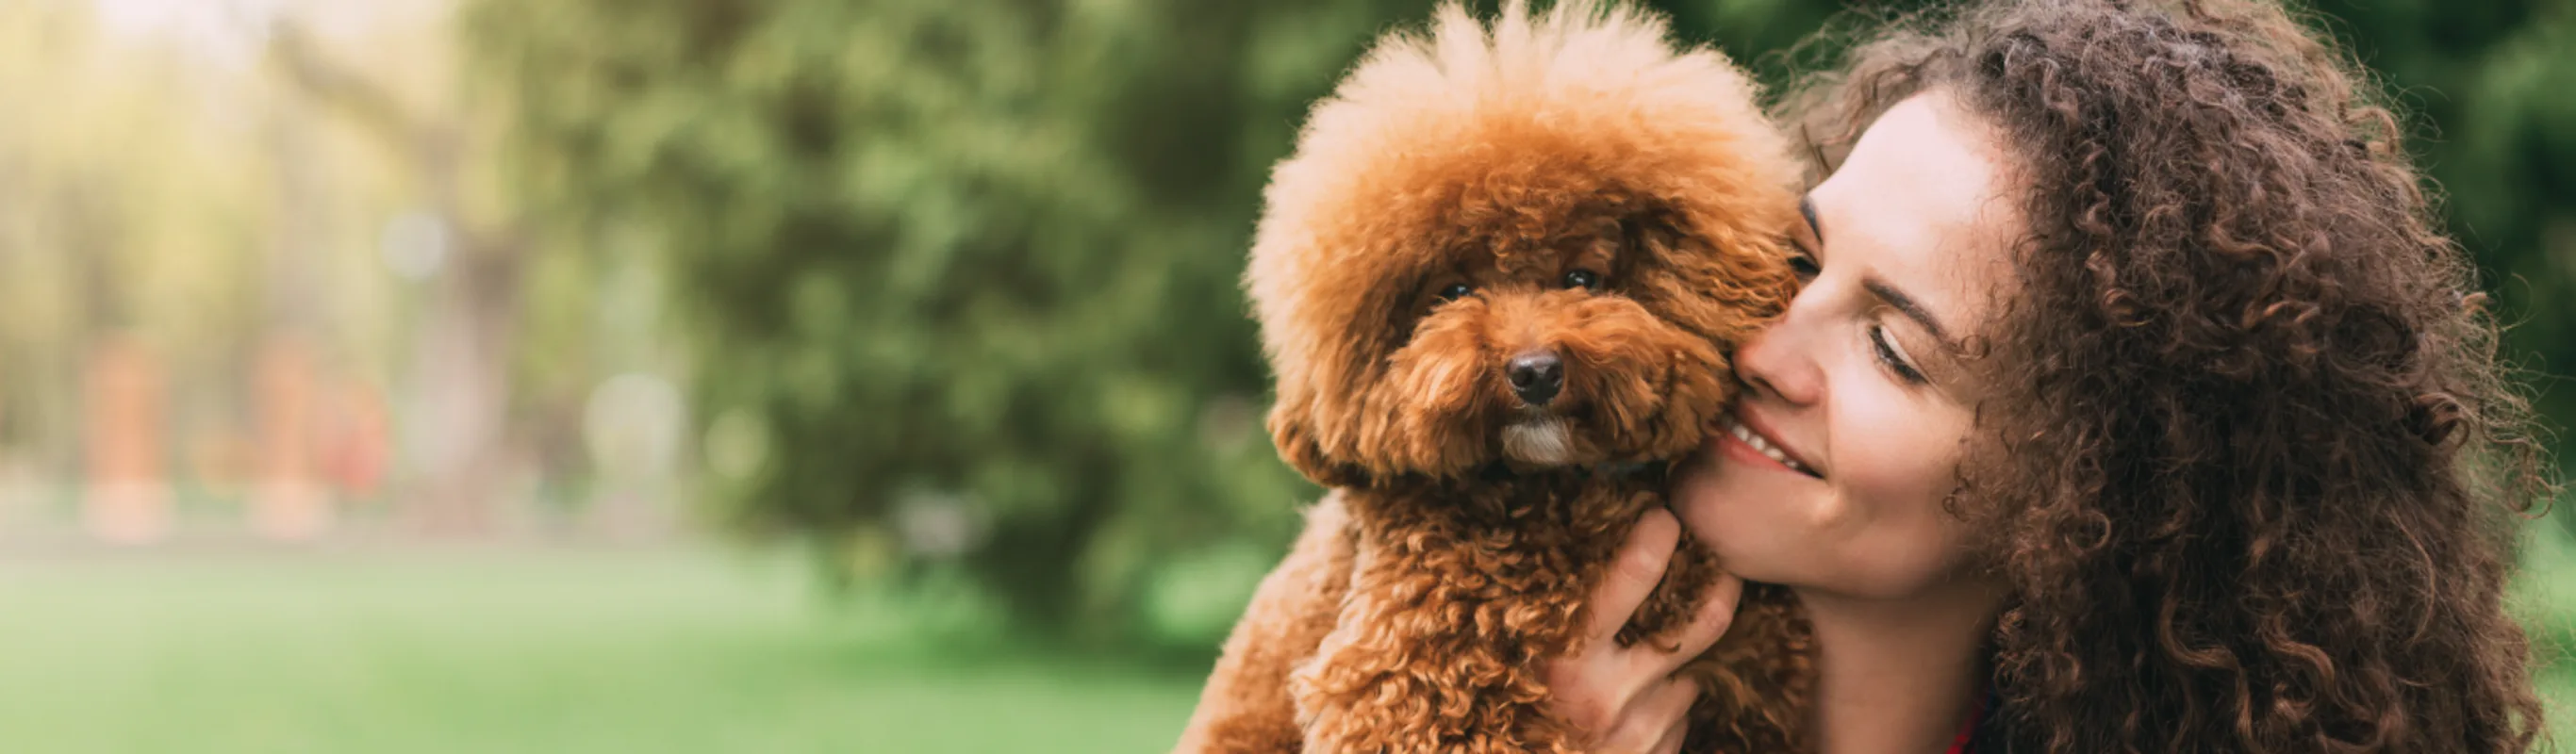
[(1456, 291), (1583, 279)]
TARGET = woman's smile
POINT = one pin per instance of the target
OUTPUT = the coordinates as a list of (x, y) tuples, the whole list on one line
[(1739, 441)]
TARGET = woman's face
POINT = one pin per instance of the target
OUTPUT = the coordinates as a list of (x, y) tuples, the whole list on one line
[(1859, 386)]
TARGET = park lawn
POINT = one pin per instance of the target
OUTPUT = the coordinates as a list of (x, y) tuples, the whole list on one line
[(566, 652), (496, 651)]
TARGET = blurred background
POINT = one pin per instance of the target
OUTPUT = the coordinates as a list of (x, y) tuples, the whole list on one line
[(756, 375)]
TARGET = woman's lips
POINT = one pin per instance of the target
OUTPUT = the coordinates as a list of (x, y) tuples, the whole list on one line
[(1736, 440)]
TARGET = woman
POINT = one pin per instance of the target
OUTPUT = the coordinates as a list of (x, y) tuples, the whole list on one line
[(2140, 407)]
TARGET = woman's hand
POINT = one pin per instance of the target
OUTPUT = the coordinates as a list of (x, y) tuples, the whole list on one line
[(1624, 700)]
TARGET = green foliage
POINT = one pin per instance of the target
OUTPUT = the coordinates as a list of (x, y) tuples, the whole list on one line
[(2489, 83), (961, 274), (970, 264)]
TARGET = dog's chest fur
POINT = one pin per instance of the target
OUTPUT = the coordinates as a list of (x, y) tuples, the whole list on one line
[(1518, 547), (1459, 590)]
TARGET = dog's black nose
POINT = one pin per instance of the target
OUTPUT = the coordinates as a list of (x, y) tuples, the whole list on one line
[(1537, 376)]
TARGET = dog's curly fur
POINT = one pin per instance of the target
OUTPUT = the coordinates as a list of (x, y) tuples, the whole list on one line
[(1562, 185)]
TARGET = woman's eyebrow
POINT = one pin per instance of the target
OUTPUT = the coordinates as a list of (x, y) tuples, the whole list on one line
[(1807, 208), (1907, 305)]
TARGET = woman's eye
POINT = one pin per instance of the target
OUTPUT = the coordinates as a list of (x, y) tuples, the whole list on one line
[(1805, 266), (1583, 279), (1456, 291), (1895, 359)]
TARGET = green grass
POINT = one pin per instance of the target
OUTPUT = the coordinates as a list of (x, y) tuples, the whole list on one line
[(518, 652), (2544, 597), (573, 652)]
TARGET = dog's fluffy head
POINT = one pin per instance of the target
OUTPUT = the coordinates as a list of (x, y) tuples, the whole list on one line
[(1527, 244)]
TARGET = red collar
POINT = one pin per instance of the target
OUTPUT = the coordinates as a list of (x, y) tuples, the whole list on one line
[(1968, 731)]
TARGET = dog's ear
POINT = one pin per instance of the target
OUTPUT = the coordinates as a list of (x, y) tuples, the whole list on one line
[(1292, 428)]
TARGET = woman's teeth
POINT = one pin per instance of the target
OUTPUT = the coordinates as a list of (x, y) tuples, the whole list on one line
[(1746, 434)]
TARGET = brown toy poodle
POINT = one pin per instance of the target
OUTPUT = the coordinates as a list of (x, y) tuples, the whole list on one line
[(1499, 281)]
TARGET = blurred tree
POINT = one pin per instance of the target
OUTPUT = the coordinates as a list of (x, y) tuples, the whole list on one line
[(168, 193), (2490, 86), (962, 273), (119, 219), (966, 271), (463, 351)]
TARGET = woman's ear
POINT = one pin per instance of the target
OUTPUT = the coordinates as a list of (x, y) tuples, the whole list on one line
[(1292, 428)]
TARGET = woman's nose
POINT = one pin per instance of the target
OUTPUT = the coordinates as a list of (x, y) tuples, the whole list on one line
[(1780, 362)]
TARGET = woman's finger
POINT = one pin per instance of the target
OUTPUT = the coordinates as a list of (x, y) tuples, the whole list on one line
[(1716, 612), (1668, 712), (1633, 574), (1672, 743)]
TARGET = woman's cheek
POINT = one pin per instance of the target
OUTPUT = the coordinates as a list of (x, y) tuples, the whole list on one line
[(1905, 538)]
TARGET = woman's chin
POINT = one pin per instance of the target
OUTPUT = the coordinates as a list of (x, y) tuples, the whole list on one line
[(1749, 525)]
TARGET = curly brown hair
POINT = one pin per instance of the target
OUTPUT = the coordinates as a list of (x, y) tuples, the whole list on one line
[(2261, 491)]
